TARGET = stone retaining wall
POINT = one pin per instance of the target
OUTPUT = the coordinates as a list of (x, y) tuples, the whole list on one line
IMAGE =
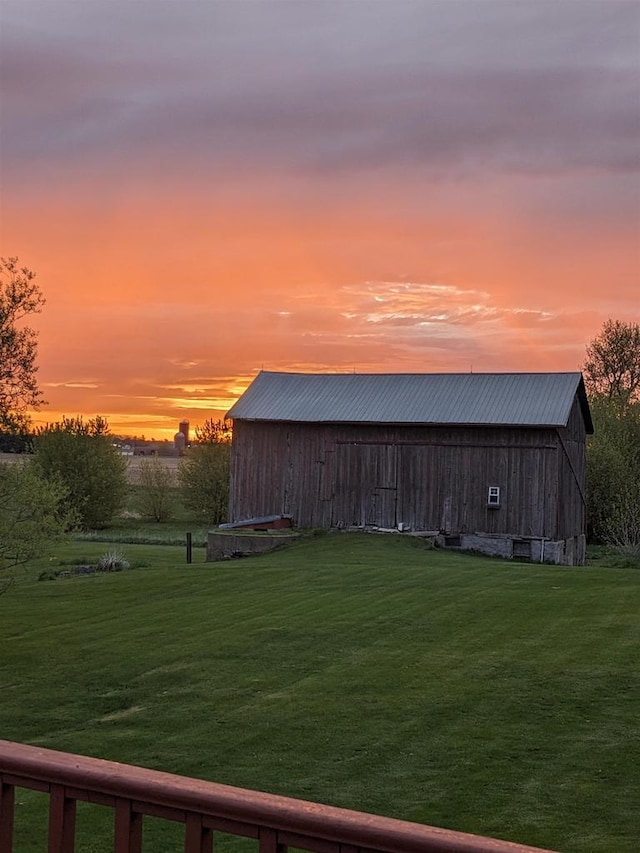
[(564, 552), (224, 546)]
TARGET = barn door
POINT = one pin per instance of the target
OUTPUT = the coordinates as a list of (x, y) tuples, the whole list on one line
[(365, 486)]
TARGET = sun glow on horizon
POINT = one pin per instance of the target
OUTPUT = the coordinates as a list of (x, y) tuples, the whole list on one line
[(313, 209)]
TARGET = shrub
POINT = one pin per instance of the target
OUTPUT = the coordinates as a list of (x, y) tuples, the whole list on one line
[(82, 457), (112, 561), (204, 479), (31, 514), (156, 484), (623, 529), (613, 472)]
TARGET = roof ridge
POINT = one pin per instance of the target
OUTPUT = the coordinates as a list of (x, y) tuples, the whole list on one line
[(418, 373), (499, 399)]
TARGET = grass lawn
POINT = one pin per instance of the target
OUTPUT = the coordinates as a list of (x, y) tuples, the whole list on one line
[(358, 670), (131, 527)]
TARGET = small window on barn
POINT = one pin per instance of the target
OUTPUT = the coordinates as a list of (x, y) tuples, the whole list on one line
[(493, 497)]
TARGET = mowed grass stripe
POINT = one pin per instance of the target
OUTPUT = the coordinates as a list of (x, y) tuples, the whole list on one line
[(363, 671)]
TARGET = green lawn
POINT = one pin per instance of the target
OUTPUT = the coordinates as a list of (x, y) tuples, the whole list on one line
[(359, 670), (132, 527)]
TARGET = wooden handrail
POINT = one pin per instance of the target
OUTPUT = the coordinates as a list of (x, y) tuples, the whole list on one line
[(204, 807)]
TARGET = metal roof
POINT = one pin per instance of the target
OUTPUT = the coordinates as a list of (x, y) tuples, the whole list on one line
[(505, 399)]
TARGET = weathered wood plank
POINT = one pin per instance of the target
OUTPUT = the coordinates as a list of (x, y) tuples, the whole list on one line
[(430, 478)]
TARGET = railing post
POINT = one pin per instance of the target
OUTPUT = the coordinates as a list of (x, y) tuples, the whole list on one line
[(7, 799), (269, 841), (62, 821), (128, 828), (197, 838), (278, 823)]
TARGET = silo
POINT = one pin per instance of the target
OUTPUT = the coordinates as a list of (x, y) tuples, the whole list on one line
[(179, 443), (184, 429)]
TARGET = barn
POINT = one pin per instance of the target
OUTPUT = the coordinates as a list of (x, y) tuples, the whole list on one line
[(491, 462)]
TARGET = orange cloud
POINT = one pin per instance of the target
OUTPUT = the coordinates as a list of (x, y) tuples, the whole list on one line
[(171, 320), (398, 191)]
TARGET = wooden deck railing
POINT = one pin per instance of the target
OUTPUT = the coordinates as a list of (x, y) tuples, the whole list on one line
[(277, 823)]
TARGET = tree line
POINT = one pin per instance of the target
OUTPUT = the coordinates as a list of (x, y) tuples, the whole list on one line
[(612, 376), (73, 475), (76, 476)]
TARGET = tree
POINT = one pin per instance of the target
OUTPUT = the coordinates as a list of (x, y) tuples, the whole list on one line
[(83, 457), (20, 296), (612, 374), (214, 432), (204, 477), (613, 472), (31, 515), (612, 366), (156, 485), (624, 522), (15, 442)]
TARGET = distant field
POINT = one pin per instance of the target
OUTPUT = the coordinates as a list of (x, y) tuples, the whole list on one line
[(11, 457), (358, 670), (133, 463)]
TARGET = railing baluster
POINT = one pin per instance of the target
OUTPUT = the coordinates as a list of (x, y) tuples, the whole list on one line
[(269, 841), (7, 800), (62, 821), (128, 828), (197, 838), (279, 824)]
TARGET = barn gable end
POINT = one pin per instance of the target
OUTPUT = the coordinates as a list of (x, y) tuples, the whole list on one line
[(493, 462)]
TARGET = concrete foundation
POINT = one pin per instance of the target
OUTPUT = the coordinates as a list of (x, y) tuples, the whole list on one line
[(224, 546), (564, 552)]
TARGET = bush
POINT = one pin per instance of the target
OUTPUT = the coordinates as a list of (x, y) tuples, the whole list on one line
[(204, 479), (81, 456), (15, 442), (156, 484), (31, 514), (112, 561), (623, 531), (613, 473)]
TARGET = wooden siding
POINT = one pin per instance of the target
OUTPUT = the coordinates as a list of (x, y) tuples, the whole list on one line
[(571, 518), (429, 478)]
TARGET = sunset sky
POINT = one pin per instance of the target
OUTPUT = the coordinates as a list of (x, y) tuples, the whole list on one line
[(205, 189)]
